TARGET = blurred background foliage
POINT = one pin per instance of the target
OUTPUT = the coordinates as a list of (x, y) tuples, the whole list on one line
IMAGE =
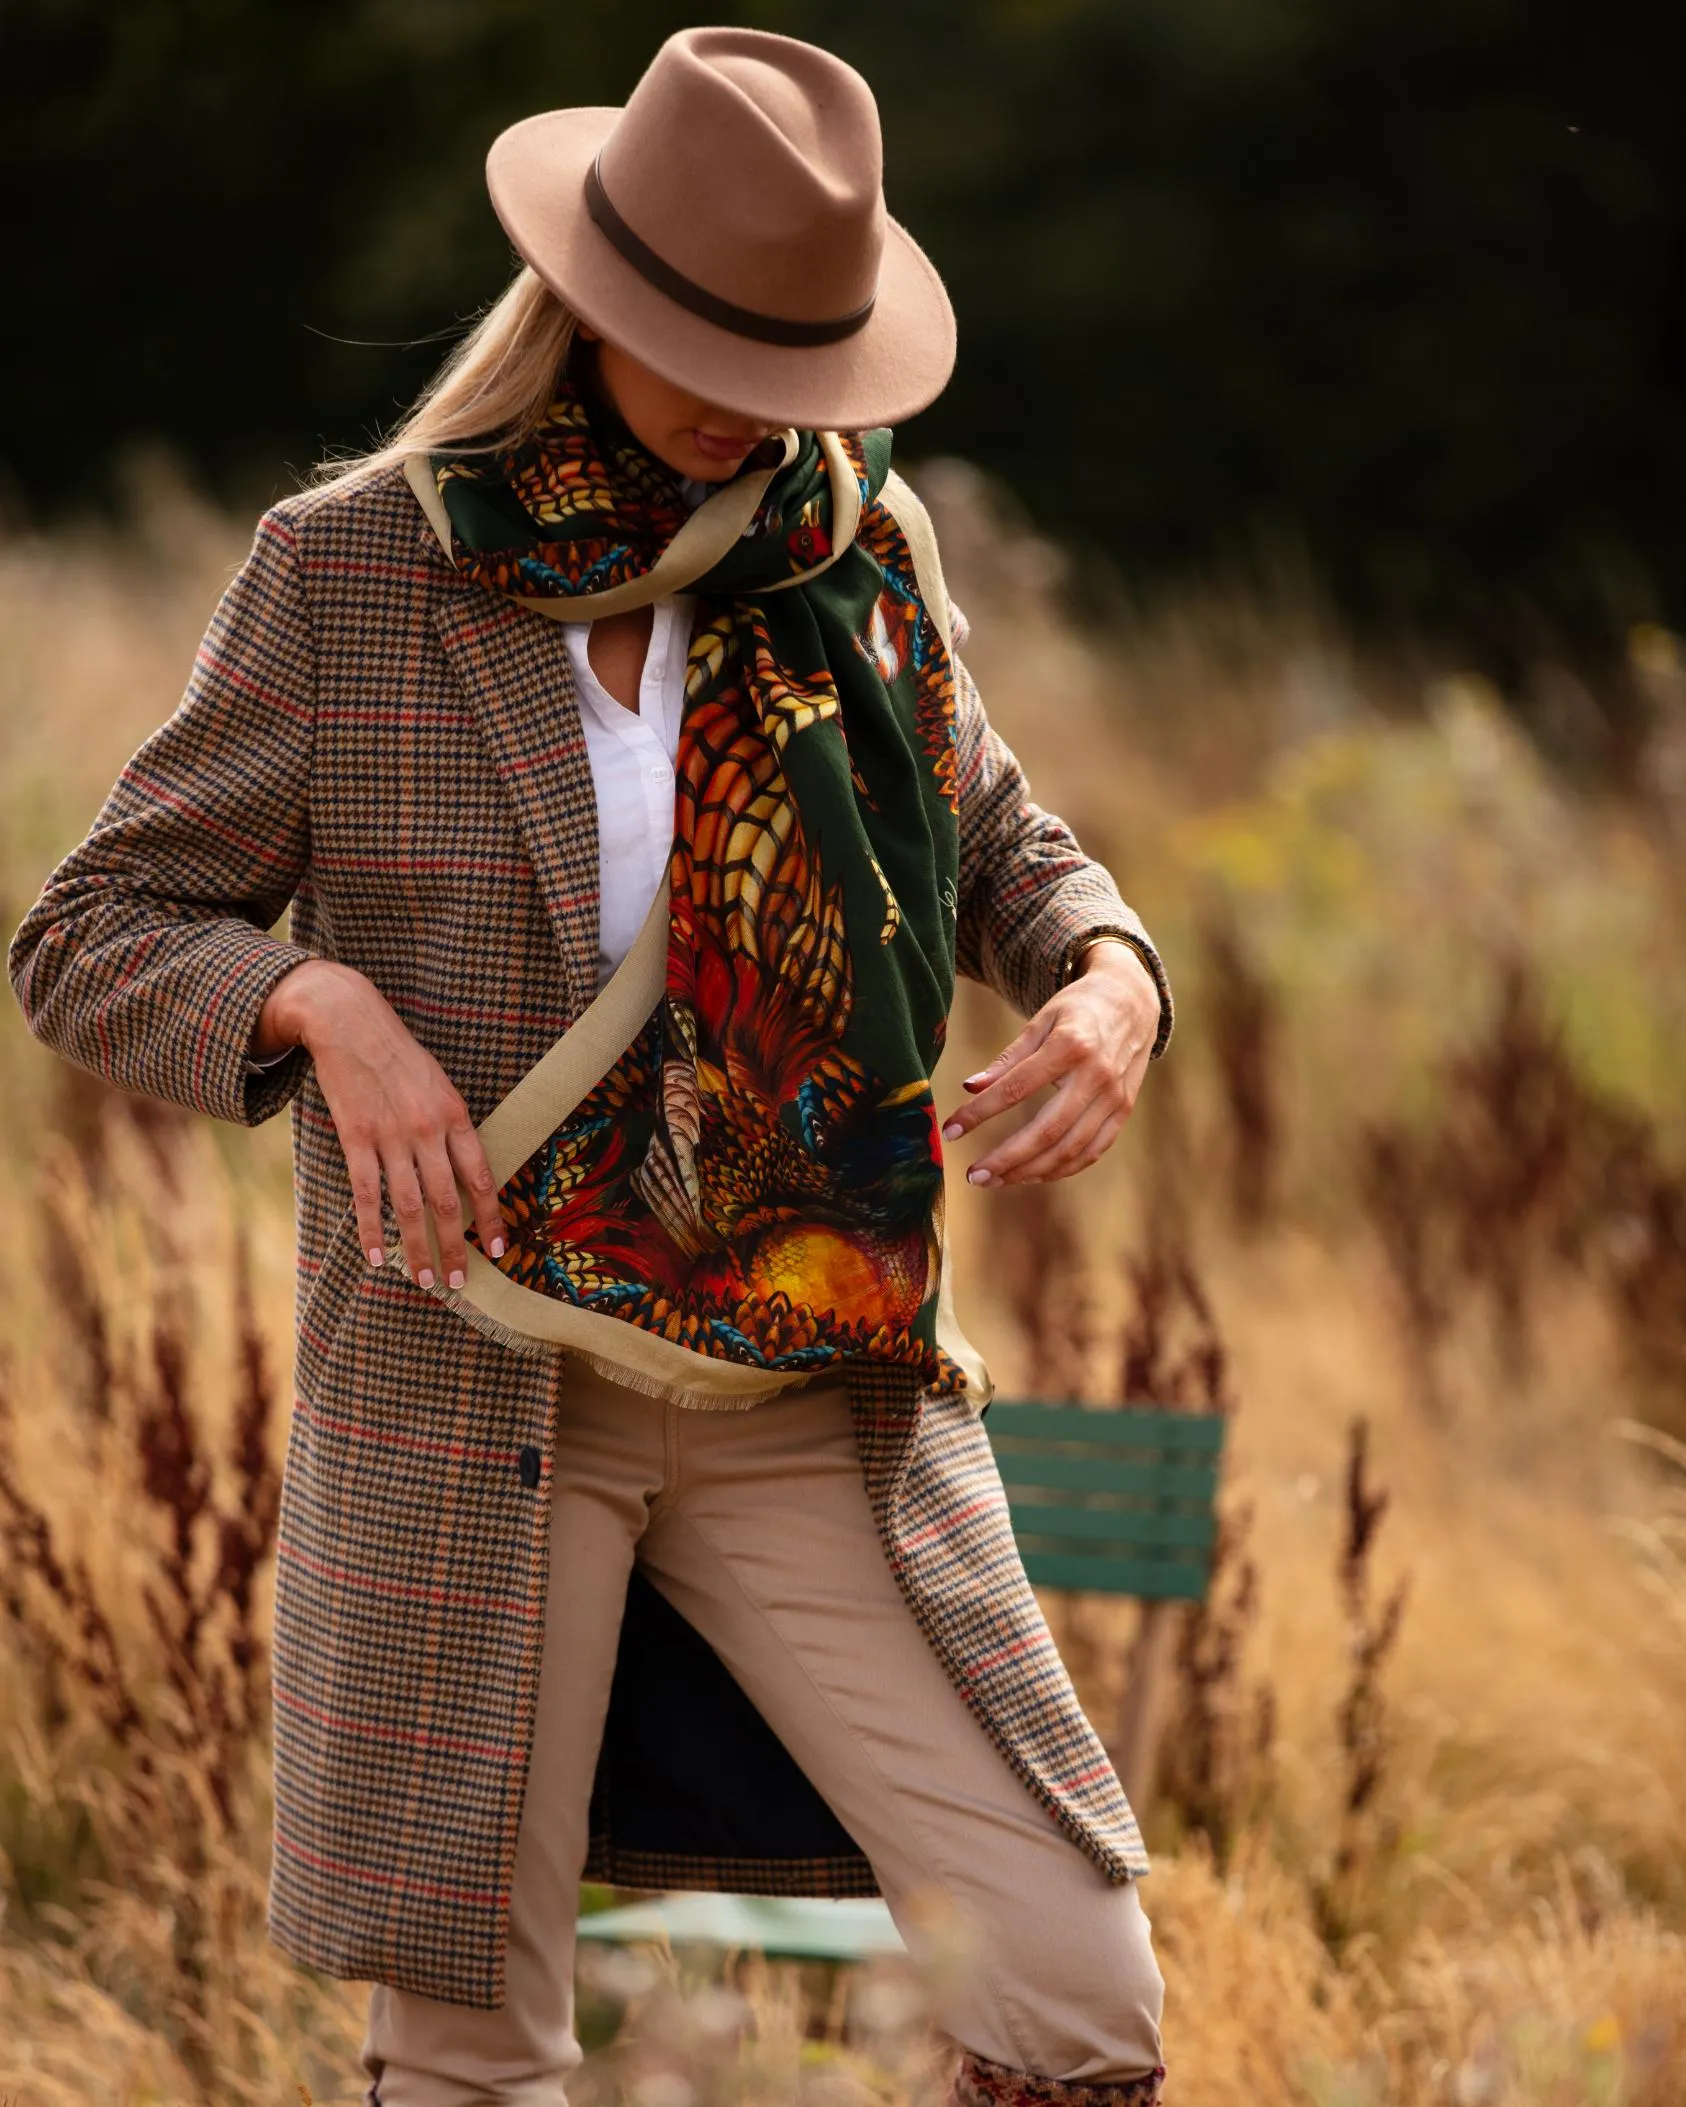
[(1383, 292)]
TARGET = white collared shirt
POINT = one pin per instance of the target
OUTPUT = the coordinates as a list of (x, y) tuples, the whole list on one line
[(632, 753)]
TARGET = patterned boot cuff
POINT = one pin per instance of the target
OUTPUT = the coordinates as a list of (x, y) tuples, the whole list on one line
[(984, 2084)]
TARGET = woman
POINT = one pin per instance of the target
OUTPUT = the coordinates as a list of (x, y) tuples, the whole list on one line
[(627, 667)]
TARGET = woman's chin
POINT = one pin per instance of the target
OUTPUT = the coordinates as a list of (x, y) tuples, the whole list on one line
[(720, 457)]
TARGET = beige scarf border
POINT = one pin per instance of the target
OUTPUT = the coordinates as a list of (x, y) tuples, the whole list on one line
[(524, 1319)]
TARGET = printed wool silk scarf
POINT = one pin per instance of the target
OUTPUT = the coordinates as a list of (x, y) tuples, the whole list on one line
[(757, 1178)]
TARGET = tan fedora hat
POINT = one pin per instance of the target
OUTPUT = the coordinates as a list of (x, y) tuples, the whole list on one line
[(727, 227)]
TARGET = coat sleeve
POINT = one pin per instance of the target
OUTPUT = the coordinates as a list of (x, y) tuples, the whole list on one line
[(146, 957), (1029, 899)]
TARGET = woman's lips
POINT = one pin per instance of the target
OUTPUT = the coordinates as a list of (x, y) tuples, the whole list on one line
[(717, 449)]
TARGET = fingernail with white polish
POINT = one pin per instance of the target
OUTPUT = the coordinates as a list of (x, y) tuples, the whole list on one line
[(978, 1078), (497, 1247), (977, 1175), (953, 1131), (375, 1254), (456, 1276), (424, 1279)]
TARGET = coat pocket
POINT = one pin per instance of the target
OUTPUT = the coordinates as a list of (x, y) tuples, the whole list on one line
[(330, 1297)]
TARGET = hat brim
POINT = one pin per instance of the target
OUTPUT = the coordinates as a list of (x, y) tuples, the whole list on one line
[(893, 366)]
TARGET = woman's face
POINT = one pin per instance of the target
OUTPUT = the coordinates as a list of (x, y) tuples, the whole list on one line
[(686, 431)]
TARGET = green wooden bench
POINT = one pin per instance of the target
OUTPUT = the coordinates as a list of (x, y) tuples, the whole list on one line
[(1111, 1502), (1115, 1501)]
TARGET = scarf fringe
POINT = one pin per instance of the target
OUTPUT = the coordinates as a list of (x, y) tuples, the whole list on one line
[(669, 1393), (692, 1398), (493, 1327)]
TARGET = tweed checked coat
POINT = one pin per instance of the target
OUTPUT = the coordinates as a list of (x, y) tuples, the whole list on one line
[(387, 751)]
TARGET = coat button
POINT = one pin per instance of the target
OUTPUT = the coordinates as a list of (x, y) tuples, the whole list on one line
[(528, 1464)]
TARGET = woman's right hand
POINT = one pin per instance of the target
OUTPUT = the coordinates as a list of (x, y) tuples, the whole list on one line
[(395, 1110)]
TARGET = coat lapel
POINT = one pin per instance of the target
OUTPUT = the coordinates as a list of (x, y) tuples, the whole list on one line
[(515, 669)]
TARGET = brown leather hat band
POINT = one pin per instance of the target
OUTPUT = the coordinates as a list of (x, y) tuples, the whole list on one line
[(697, 299)]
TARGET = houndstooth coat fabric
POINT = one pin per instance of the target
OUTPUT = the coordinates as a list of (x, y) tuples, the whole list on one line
[(394, 756)]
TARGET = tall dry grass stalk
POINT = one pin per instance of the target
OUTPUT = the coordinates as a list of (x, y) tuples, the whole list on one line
[(137, 1525), (1243, 1021), (1215, 1772), (1365, 1831)]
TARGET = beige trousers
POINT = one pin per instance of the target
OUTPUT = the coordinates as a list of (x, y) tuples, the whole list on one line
[(756, 1526)]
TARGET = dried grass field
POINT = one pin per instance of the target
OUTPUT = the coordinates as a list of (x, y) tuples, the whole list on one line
[(1407, 1199)]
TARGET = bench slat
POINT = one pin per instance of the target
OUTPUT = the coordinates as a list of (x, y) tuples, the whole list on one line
[(794, 1928), (1133, 1427), (1197, 1482), (1115, 1525), (1164, 1580)]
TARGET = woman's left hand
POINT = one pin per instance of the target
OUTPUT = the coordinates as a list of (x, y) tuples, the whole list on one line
[(1091, 1040)]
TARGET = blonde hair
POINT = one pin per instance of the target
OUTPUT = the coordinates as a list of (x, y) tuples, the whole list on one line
[(491, 392)]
